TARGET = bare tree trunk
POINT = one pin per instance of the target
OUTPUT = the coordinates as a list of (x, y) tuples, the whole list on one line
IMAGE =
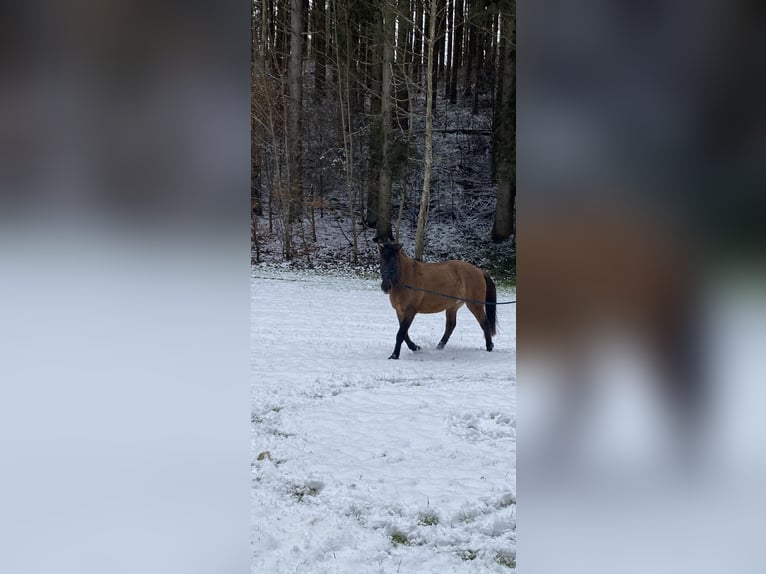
[(344, 101), (470, 53), (319, 44), (425, 198), (266, 43), (349, 130), (450, 25), (484, 23), (438, 69), (383, 227), (493, 52), (255, 239), (257, 51), (417, 44), (305, 47), (504, 225), (457, 52), (281, 38), (402, 66), (375, 80), (295, 119)]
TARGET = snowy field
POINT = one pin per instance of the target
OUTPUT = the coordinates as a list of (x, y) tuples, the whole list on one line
[(376, 465)]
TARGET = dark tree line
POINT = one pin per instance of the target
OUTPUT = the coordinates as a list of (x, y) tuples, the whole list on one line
[(338, 87)]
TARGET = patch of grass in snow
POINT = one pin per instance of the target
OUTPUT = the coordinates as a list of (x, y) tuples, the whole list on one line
[(399, 539), (428, 519), (506, 559)]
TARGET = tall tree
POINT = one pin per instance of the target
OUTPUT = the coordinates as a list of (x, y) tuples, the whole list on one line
[(257, 70), (425, 198), (319, 47), (438, 68), (295, 114), (417, 40), (383, 227), (450, 24), (281, 34), (457, 52), (472, 30), (482, 24), (403, 66), (504, 225), (374, 147)]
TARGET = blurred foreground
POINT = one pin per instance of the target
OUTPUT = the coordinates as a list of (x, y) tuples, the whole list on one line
[(642, 310), (124, 287)]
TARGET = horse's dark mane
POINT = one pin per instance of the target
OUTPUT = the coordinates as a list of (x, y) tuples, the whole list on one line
[(388, 250)]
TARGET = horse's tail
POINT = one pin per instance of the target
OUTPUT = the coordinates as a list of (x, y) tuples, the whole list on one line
[(490, 305)]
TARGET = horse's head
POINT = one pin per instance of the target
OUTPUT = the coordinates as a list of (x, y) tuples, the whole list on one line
[(389, 265)]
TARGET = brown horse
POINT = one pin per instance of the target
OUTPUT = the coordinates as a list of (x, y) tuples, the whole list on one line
[(416, 287)]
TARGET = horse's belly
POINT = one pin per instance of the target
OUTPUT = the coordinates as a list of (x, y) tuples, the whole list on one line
[(429, 309)]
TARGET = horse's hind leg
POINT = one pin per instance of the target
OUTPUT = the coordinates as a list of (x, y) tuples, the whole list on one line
[(451, 322), (481, 317)]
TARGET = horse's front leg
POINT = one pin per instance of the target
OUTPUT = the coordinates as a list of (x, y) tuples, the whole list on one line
[(402, 336), (413, 347)]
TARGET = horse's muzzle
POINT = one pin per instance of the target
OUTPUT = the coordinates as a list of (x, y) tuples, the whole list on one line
[(386, 285)]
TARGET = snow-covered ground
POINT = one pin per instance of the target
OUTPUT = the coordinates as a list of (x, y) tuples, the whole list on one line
[(375, 465)]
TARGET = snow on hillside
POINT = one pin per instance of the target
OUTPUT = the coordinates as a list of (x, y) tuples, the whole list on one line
[(462, 206), (369, 464)]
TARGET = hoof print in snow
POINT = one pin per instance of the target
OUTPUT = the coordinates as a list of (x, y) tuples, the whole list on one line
[(265, 455)]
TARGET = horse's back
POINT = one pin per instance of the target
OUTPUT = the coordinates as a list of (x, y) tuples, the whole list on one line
[(455, 278)]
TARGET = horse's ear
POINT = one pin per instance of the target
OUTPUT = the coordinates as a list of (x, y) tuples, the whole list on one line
[(378, 247)]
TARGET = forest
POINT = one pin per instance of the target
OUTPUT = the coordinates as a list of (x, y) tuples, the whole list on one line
[(383, 120)]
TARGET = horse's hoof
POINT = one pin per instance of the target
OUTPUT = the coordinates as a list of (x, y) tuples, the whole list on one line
[(490, 347), (440, 346), (393, 357), (417, 348)]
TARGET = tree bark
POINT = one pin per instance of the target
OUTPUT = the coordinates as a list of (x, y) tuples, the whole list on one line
[(383, 226), (457, 52), (374, 148), (257, 66), (450, 25), (402, 67), (504, 225), (425, 198), (417, 44), (438, 68), (282, 36), (295, 119), (319, 44), (470, 53)]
